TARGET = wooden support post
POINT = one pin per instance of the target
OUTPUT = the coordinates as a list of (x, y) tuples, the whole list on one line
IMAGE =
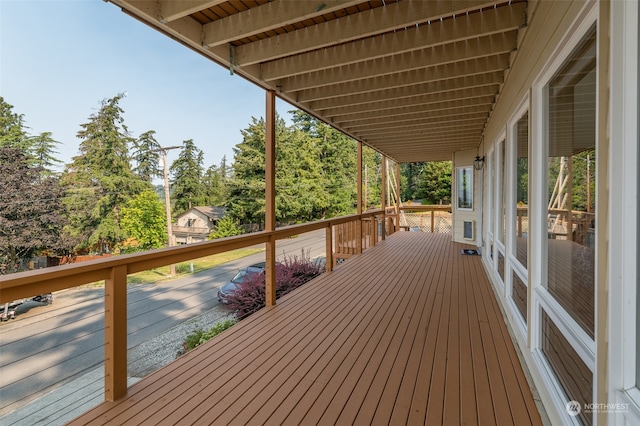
[(398, 201), (329, 248), (115, 334), (383, 195), (359, 201), (433, 212), (270, 194)]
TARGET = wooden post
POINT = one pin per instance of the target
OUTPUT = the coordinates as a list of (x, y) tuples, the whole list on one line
[(398, 201), (329, 248), (383, 195), (270, 194), (433, 212), (359, 201), (115, 334)]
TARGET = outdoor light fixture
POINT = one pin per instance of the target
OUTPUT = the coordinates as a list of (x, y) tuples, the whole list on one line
[(478, 163)]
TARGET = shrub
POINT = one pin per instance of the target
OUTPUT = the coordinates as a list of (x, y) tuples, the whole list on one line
[(249, 296), (198, 337)]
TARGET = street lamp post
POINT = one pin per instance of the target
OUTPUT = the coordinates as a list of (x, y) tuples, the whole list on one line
[(167, 200)]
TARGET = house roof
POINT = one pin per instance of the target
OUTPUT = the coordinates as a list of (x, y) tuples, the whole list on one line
[(212, 212), (415, 80)]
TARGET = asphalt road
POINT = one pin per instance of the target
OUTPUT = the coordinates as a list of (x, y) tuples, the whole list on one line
[(47, 346)]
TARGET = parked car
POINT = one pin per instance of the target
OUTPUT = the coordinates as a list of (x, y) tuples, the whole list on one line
[(8, 311), (242, 275)]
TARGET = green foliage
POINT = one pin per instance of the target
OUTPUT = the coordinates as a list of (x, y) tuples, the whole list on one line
[(30, 210), (12, 128), (144, 221), (147, 156), (186, 184), (227, 227), (198, 337), (216, 184), (100, 180)]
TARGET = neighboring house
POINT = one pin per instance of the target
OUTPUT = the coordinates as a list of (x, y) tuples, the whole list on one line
[(196, 224)]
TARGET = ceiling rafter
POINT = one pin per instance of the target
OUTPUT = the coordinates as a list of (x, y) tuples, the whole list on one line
[(461, 28), (394, 16), (267, 17), (410, 114), (404, 97), (421, 75), (351, 95), (170, 10)]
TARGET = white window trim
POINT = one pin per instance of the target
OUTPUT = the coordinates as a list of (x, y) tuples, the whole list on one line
[(623, 203), (537, 218), (473, 194)]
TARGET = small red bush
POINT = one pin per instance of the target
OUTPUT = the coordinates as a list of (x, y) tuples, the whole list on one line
[(249, 296)]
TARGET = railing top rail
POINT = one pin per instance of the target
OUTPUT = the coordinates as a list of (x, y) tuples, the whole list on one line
[(29, 283)]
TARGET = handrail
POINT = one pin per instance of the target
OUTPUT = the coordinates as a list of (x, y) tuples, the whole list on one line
[(114, 271), (27, 283)]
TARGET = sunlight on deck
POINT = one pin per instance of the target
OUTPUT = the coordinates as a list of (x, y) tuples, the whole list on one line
[(408, 333)]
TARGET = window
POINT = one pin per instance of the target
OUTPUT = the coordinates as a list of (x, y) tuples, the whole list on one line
[(522, 188), (464, 184), (571, 172)]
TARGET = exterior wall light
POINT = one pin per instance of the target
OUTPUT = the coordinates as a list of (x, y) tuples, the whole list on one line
[(478, 163)]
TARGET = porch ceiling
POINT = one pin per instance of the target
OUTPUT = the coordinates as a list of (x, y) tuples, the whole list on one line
[(415, 80)]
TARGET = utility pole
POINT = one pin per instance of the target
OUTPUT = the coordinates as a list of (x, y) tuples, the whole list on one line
[(167, 200)]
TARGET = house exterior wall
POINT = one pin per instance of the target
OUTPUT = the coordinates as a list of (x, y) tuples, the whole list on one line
[(464, 159), (197, 230), (611, 353)]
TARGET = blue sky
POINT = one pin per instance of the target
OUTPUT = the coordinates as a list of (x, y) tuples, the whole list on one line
[(60, 58)]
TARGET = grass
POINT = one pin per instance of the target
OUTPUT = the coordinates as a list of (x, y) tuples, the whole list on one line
[(162, 273), (182, 269)]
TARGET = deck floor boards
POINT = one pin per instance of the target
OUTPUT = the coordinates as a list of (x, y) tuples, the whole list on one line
[(408, 333)]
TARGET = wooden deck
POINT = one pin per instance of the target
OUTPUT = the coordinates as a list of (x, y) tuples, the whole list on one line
[(409, 333)]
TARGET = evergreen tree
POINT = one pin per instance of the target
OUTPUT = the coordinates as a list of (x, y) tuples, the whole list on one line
[(227, 227), (43, 150), (186, 185), (247, 189), (147, 157), (215, 183), (13, 132), (100, 179), (435, 182)]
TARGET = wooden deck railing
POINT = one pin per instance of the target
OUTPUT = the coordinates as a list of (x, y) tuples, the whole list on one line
[(114, 272)]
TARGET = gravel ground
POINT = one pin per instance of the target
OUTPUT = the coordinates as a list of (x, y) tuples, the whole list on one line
[(153, 354)]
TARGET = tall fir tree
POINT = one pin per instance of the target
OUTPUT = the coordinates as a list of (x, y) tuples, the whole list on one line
[(147, 156), (101, 180), (186, 183)]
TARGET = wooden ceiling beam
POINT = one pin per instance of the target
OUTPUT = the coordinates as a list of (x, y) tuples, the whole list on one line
[(391, 17), (414, 38), (490, 45), (170, 10), (418, 126), (461, 68), (400, 97), (355, 97), (267, 17), (401, 123), (450, 105), (407, 114)]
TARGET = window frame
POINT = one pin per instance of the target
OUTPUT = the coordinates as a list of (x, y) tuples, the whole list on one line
[(468, 171)]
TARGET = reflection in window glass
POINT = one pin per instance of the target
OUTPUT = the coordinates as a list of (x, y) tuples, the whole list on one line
[(500, 192), (519, 295), (574, 376), (465, 187), (571, 175), (522, 188)]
